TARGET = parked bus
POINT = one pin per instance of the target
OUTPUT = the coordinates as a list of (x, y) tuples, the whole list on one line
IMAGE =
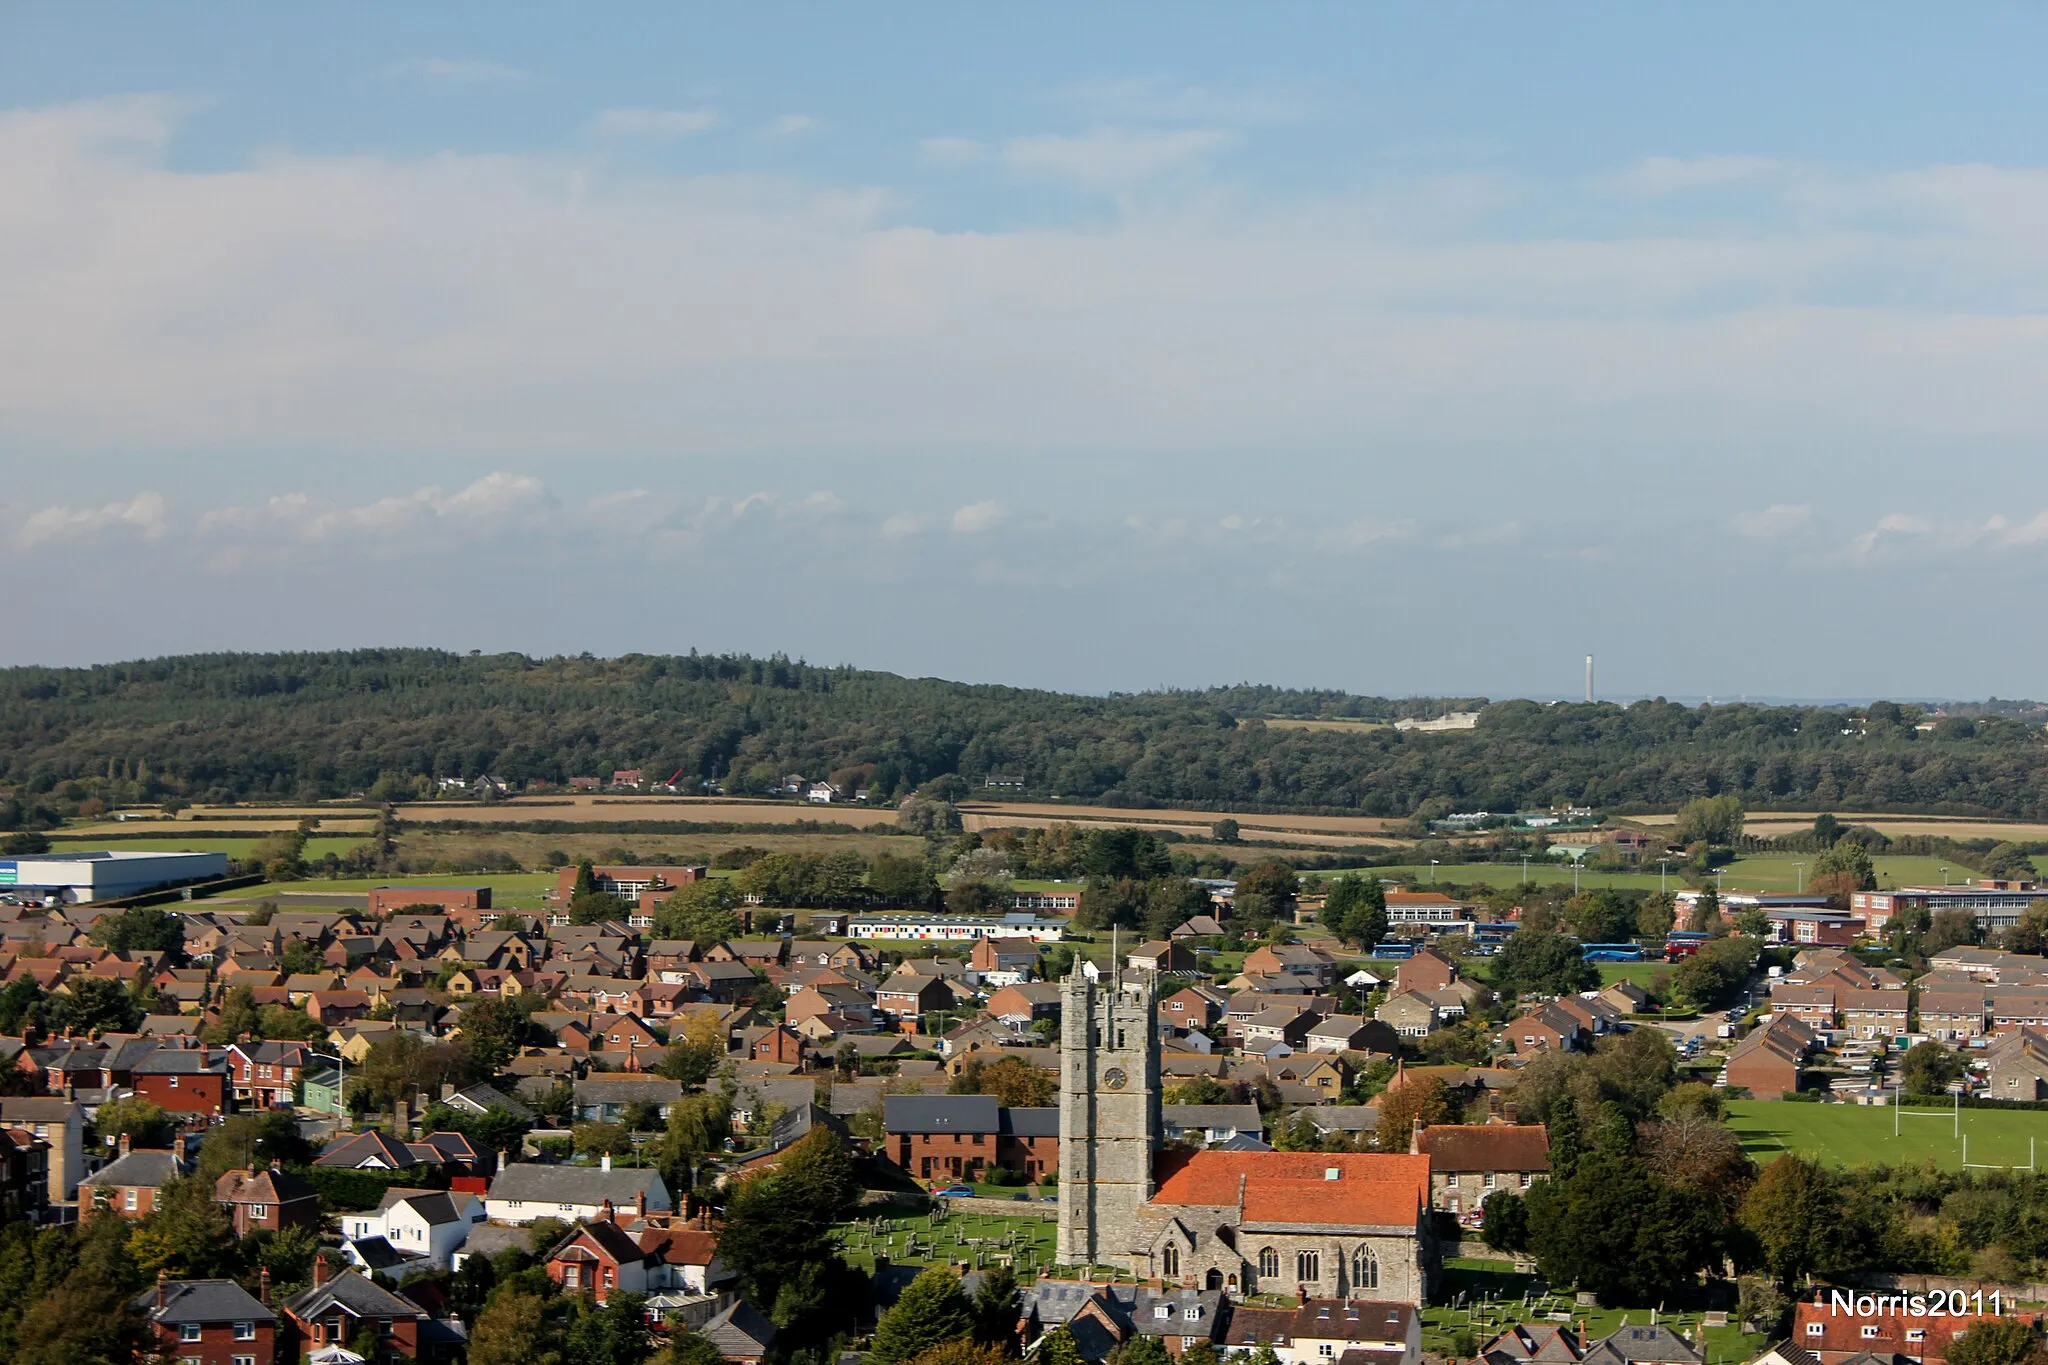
[(1393, 948), (1683, 943), (1613, 952)]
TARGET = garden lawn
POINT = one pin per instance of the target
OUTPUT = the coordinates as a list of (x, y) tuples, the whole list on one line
[(1858, 1135)]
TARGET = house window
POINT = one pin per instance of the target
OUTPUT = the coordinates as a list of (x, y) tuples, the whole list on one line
[(1815, 1329), (257, 1211), (1162, 1310), (244, 1360), (1269, 1263), (1308, 1265), (1365, 1271), (245, 1331), (1326, 1350), (1487, 1180), (1192, 1313), (1188, 1343), (1169, 1261), (1870, 1331), (1916, 1334), (188, 1331), (129, 1200)]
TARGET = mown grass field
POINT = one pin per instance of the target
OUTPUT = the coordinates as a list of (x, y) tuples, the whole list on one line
[(509, 891), (1769, 872), (1860, 1135), (318, 846), (426, 847)]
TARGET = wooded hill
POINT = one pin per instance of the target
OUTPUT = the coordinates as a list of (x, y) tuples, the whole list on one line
[(240, 726)]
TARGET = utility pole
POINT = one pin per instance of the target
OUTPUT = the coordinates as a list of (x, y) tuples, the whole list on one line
[(1800, 869), (1525, 869)]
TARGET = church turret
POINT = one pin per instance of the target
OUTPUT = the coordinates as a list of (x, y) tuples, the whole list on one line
[(1109, 1115)]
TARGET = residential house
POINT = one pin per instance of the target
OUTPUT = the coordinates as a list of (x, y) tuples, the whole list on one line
[(267, 1200), (1022, 1005), (24, 1175), (129, 1185), (1210, 1123), (1952, 1015), (524, 1191), (1874, 1014), (1545, 1028), (907, 996), (372, 1150), (939, 1137), (59, 1122), (208, 1322), (603, 1096), (267, 1074), (184, 1081), (740, 1334), (1312, 966), (599, 1258), (1768, 1062), (1003, 961), (1469, 1161), (425, 1226), (340, 1306), (2017, 1066), (1163, 955), (1411, 1014), (1353, 1033), (1277, 1026)]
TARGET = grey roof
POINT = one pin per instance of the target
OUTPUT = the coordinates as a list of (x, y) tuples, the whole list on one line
[(437, 1208), (1242, 1142), (142, 1167), (1208, 1303), (1644, 1345), (377, 1253), (179, 1061), (533, 1182), (628, 1089), (488, 1239), (942, 1114), (739, 1331), (354, 1294), (1026, 1123), (488, 1097), (203, 1301), (1243, 1117)]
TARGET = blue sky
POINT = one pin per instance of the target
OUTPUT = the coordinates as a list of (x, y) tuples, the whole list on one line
[(1391, 348)]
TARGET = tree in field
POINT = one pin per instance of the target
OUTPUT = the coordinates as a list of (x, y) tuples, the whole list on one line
[(930, 1312), (187, 1234), (1537, 963), (1713, 974), (1355, 909), (697, 1049), (700, 910), (2008, 862), (1842, 867), (901, 881), (95, 1002), (495, 1027), (1712, 820), (1795, 1214), (1602, 916), (1224, 831)]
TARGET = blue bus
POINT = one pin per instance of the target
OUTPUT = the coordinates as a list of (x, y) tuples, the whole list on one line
[(1494, 933), (1393, 948), (1613, 952)]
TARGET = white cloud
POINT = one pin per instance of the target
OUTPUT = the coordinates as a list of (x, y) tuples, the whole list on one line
[(1110, 158), (1364, 534), (1657, 175), (658, 124), (902, 526), (493, 505), (790, 125), (976, 517), (1775, 522), (455, 71), (143, 515), (1915, 535), (951, 152)]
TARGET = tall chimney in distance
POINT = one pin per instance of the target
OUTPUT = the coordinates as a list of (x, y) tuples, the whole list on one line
[(1589, 677)]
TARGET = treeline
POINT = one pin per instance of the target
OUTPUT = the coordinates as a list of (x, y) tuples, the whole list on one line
[(380, 722)]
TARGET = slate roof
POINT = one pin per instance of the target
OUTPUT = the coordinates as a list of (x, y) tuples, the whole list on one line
[(942, 1114), (351, 1292), (608, 1237), (1242, 1117), (1644, 1345), (202, 1301), (351, 1150), (739, 1331), (533, 1182), (1030, 1123), (377, 1253), (144, 1166)]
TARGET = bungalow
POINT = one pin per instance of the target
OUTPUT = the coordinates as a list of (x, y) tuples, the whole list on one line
[(425, 1226), (524, 1191), (1024, 1004)]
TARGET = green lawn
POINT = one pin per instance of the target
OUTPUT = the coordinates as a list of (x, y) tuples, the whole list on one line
[(1857, 1135), (1767, 872), (980, 1239), (1486, 1297), (509, 890)]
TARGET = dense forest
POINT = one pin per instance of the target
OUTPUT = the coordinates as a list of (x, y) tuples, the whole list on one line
[(297, 726)]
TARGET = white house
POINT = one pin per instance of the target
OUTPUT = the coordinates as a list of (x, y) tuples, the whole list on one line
[(524, 1191), (425, 1224)]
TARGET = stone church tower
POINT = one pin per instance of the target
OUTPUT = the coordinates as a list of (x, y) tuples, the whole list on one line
[(1109, 1116)]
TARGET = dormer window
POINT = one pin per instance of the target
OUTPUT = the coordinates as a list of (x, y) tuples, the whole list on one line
[(1162, 1310)]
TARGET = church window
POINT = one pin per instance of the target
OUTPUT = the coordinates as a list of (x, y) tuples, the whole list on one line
[(1308, 1265), (1365, 1271), (1269, 1263), (1215, 1279), (1169, 1260)]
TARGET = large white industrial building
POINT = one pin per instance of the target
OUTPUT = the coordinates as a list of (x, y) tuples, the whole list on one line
[(79, 877)]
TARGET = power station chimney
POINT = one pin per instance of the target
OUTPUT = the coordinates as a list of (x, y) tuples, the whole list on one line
[(1589, 677)]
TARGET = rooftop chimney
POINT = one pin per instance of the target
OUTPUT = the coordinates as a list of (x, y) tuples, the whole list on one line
[(640, 1202), (319, 1269), (606, 1213), (263, 1286), (163, 1282), (605, 1162), (124, 1144)]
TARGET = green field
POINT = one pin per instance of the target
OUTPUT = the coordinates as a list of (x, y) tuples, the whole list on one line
[(509, 890), (1767, 872), (318, 846), (1858, 1135)]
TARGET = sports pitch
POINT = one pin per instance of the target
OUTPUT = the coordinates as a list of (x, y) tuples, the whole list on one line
[(1861, 1135)]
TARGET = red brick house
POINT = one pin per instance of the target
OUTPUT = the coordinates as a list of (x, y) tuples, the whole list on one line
[(778, 1044), (129, 1185), (267, 1200), (386, 899), (335, 1308), (209, 1322), (1834, 1337), (183, 1081), (267, 1074), (599, 1259), (945, 1137), (1767, 1062)]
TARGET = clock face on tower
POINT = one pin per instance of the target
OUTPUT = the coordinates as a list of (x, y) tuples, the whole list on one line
[(1114, 1078)]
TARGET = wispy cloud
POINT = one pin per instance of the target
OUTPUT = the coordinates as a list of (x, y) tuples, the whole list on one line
[(455, 71), (1107, 158), (1915, 535), (144, 515), (1776, 522), (790, 125), (658, 124), (1136, 99), (952, 151), (1657, 175), (977, 517)]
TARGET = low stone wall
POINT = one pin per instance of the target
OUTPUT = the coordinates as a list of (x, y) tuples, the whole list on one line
[(1005, 1208)]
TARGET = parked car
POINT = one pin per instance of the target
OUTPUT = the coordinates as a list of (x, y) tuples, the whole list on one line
[(955, 1192)]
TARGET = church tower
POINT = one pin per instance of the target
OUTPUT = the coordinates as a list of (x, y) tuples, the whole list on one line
[(1109, 1115)]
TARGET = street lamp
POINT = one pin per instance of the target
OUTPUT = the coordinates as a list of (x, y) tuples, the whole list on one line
[(1663, 871), (1944, 876), (1432, 872), (1525, 869), (1800, 869)]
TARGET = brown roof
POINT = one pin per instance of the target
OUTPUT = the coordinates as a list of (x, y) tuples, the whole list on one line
[(1486, 1147)]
